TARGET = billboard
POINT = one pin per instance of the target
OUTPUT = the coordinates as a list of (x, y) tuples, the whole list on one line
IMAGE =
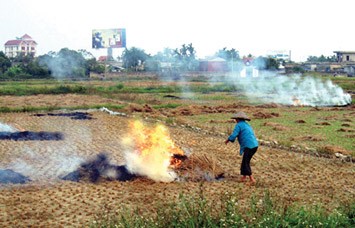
[(109, 38)]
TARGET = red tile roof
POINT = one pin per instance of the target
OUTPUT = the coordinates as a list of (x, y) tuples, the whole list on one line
[(102, 58), (13, 42), (26, 37)]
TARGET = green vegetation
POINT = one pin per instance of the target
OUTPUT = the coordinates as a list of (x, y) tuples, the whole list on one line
[(170, 105), (197, 211), (22, 89), (316, 130), (290, 126)]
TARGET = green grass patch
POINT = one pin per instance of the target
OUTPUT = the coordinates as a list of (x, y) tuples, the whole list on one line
[(198, 211), (22, 90), (151, 89), (303, 126)]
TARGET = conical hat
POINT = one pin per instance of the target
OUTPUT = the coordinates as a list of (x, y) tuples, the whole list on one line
[(240, 115)]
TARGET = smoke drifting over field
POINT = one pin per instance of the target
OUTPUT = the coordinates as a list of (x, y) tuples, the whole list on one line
[(296, 90), (39, 160), (290, 90), (38, 166), (66, 63)]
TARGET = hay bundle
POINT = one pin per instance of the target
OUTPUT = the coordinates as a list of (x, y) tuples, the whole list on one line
[(200, 167)]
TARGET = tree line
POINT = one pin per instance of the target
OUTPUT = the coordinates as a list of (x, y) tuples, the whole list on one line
[(78, 64)]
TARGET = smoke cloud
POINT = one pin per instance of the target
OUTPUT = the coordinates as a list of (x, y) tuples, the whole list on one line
[(44, 165), (150, 167), (6, 128), (291, 90), (39, 160), (66, 63)]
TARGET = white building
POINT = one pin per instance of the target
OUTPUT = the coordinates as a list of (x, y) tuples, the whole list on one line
[(24, 45)]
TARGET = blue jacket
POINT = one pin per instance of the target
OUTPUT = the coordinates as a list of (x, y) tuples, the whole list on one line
[(245, 134)]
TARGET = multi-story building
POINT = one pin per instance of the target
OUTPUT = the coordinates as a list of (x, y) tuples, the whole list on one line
[(345, 56), (24, 45)]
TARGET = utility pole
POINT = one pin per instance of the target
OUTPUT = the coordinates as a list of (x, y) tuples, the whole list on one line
[(232, 64)]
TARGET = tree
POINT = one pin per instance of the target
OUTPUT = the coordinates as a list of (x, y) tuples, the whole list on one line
[(186, 57), (86, 54), (30, 67), (266, 63), (13, 71), (322, 58), (5, 62), (65, 63), (167, 55), (229, 55), (34, 69), (93, 66), (134, 58)]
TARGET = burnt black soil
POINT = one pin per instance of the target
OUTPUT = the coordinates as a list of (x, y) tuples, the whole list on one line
[(30, 135), (8, 176), (71, 115), (99, 168)]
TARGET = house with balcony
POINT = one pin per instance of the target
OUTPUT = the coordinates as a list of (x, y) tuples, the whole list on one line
[(24, 45)]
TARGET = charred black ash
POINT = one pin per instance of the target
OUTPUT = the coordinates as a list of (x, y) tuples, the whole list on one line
[(99, 168), (72, 115), (181, 157), (8, 176), (30, 135)]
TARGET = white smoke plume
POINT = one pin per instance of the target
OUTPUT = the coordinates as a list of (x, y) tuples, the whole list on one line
[(149, 167), (49, 165), (65, 63), (39, 160), (291, 90), (7, 128)]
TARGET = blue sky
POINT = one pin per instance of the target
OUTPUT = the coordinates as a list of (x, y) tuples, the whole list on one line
[(304, 27)]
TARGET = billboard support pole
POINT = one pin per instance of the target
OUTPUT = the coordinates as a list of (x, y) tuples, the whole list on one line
[(109, 53), (108, 59)]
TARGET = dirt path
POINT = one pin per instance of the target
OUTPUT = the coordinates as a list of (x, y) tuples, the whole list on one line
[(48, 201)]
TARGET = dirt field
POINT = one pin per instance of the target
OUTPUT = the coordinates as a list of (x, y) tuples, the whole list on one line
[(47, 201)]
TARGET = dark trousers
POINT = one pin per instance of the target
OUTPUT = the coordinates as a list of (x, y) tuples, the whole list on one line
[(245, 168)]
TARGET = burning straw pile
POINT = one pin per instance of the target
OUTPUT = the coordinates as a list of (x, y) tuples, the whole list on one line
[(184, 168), (150, 153)]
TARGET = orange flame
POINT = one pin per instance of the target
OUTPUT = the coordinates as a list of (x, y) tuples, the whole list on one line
[(153, 148), (296, 101)]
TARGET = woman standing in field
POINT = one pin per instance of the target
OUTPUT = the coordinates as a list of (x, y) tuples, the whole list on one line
[(247, 141)]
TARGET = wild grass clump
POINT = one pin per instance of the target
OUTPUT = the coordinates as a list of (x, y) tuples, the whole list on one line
[(170, 106), (23, 90), (198, 211)]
